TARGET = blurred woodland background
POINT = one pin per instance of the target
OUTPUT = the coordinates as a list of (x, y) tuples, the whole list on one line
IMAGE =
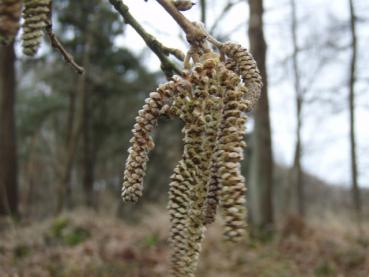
[(64, 139)]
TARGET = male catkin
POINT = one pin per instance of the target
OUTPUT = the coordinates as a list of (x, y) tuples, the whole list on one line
[(211, 98), (10, 12), (36, 16)]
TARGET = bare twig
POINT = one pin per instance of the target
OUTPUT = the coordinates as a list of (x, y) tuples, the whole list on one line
[(193, 32), (56, 44), (161, 51)]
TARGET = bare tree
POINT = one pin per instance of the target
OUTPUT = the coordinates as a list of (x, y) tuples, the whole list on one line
[(261, 175), (296, 171), (8, 146), (351, 85)]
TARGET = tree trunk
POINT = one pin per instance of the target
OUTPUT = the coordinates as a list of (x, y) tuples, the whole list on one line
[(69, 137), (71, 148), (296, 182), (76, 124), (352, 80), (88, 161), (8, 147), (203, 11), (261, 175)]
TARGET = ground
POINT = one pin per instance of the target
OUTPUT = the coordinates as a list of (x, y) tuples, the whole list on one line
[(89, 244)]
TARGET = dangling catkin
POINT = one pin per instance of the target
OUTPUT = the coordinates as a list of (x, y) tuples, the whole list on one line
[(213, 118), (36, 16), (231, 144), (142, 143), (10, 12), (211, 100), (247, 68)]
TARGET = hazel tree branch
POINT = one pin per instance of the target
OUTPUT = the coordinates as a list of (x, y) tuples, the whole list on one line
[(56, 44), (161, 51), (194, 33)]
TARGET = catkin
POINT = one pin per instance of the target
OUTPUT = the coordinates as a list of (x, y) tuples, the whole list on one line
[(212, 133), (211, 98), (142, 143), (179, 199), (180, 186), (196, 153), (10, 12), (247, 68), (36, 16), (231, 144)]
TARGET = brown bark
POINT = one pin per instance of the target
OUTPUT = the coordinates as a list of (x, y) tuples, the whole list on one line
[(8, 146), (261, 175), (76, 123), (71, 149), (88, 161), (352, 81)]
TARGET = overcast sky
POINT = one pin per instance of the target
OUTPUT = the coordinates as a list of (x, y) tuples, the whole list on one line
[(326, 128)]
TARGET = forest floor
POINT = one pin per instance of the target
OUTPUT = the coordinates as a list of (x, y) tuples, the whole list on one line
[(88, 244)]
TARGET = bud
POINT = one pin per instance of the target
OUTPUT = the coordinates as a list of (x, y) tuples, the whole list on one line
[(183, 5)]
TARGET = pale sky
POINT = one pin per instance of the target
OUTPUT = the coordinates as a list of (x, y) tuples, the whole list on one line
[(326, 128)]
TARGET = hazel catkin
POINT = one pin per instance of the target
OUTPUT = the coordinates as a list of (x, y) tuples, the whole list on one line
[(211, 98), (142, 143), (10, 12), (36, 16), (247, 68)]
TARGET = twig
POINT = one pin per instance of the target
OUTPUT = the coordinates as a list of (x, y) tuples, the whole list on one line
[(196, 33), (161, 51), (56, 44), (193, 32)]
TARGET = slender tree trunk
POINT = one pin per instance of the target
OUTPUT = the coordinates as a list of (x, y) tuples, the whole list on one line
[(296, 176), (352, 81), (78, 122), (203, 11), (8, 146), (69, 137), (261, 175), (88, 161), (71, 148)]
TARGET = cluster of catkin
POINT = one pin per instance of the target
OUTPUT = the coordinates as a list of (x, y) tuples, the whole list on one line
[(212, 99), (36, 15)]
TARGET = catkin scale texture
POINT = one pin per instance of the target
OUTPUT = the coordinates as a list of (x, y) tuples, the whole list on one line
[(142, 143), (211, 98), (36, 16), (242, 62), (10, 12)]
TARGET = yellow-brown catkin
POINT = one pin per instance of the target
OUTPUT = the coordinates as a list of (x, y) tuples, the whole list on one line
[(211, 100), (142, 143), (195, 153), (231, 144), (180, 185), (179, 199), (213, 118), (10, 12), (247, 68), (36, 16)]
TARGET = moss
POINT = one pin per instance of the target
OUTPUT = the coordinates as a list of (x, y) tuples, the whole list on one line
[(21, 251), (325, 269), (76, 236)]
